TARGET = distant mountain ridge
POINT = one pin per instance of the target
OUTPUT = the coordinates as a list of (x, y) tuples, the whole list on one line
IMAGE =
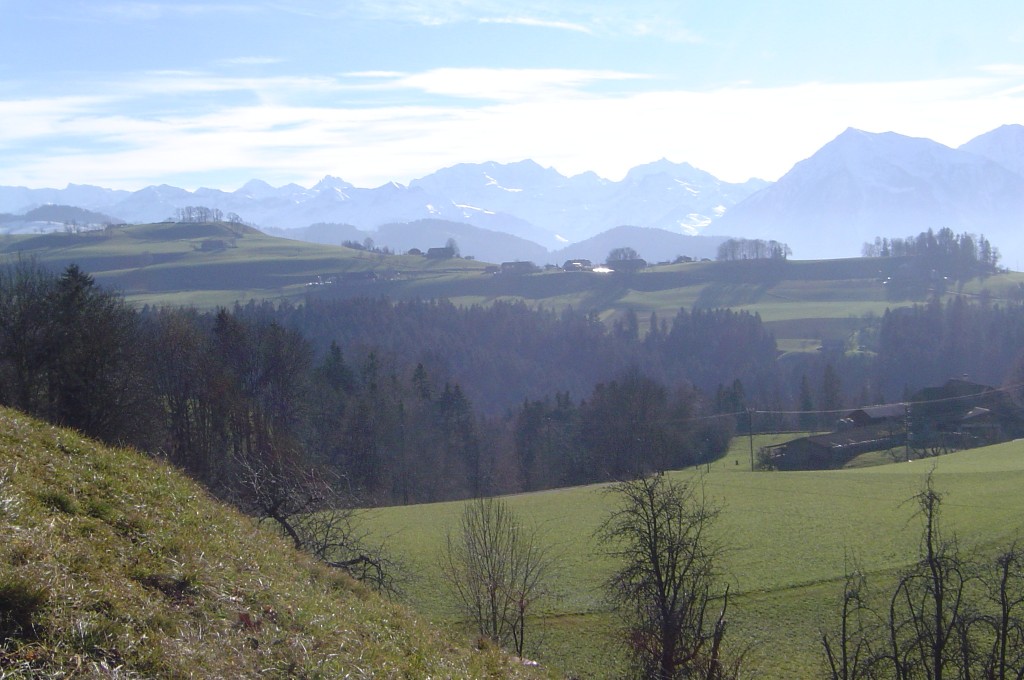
[(654, 245), (859, 186), (523, 199), (863, 185)]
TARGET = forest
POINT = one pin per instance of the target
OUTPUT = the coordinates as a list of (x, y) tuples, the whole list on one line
[(414, 401)]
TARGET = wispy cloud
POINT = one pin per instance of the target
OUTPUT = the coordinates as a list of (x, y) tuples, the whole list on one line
[(289, 131), (643, 18), (1011, 70), (535, 22), (666, 28), (506, 84), (144, 87)]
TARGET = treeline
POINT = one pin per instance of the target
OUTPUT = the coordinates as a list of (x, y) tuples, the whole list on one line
[(198, 214), (506, 351), (927, 344), (935, 260), (942, 247), (753, 249), (908, 349)]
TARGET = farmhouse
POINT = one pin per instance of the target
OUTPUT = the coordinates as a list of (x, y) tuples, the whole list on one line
[(213, 245), (874, 415), (957, 415), (445, 253), (518, 268), (962, 414), (832, 450)]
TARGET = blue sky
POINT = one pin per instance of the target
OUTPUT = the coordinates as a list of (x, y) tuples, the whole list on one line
[(126, 94)]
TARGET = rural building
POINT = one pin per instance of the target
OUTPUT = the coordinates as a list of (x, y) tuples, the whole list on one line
[(578, 266), (874, 415), (445, 253), (957, 415), (832, 450), (962, 414), (213, 245), (518, 268)]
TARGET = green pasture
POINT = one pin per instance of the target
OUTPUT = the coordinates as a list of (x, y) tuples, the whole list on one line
[(789, 538), (210, 265)]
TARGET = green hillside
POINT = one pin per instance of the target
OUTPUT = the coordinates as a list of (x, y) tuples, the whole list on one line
[(789, 539), (114, 565), (208, 265)]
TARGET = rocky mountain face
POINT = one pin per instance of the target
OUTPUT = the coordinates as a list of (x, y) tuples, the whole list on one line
[(863, 185)]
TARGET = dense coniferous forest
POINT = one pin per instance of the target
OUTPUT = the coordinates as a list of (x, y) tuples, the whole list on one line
[(424, 400)]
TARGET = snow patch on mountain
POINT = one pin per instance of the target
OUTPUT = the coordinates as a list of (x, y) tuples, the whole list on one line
[(491, 182)]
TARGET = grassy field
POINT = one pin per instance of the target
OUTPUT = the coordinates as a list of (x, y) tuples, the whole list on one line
[(789, 537), (208, 265), (114, 565)]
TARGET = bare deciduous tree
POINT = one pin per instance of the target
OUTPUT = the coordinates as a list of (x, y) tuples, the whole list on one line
[(946, 617), (309, 509), (666, 583), (1003, 624), (497, 568), (927, 611), (848, 649)]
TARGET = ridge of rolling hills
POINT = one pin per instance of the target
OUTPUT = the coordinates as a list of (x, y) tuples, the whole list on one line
[(113, 564), (211, 264), (802, 302)]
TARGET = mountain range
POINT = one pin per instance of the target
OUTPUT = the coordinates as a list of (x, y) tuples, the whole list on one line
[(863, 185), (857, 187)]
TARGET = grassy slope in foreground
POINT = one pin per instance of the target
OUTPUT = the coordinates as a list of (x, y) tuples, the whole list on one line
[(789, 537), (139, 573)]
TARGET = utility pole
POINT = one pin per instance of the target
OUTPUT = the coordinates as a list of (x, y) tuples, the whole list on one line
[(906, 429), (750, 436)]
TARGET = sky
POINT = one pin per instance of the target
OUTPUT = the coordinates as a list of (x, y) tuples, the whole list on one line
[(126, 94)]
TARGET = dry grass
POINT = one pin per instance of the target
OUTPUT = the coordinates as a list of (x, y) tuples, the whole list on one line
[(115, 565)]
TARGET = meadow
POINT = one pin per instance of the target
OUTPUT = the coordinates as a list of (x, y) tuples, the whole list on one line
[(790, 538)]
